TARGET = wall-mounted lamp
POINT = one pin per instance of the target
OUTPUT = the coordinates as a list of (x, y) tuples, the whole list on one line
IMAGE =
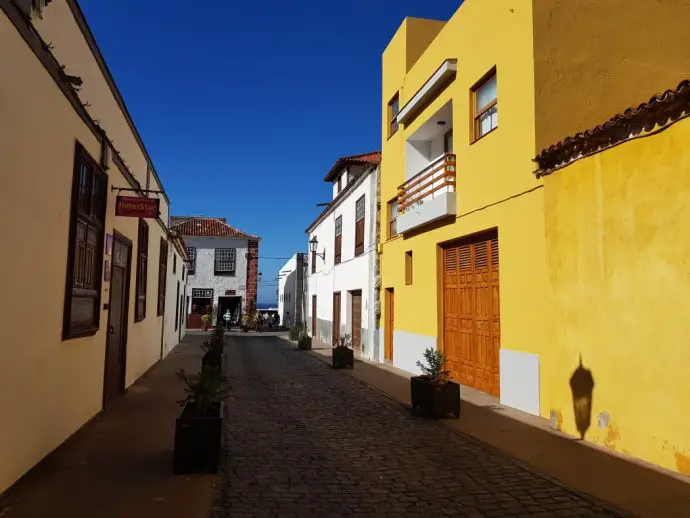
[(313, 244)]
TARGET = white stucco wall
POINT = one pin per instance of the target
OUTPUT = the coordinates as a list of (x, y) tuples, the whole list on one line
[(204, 276), (287, 292), (353, 273), (172, 336)]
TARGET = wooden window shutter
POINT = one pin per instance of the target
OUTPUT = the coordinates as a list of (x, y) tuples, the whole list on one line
[(162, 275), (338, 240), (359, 226)]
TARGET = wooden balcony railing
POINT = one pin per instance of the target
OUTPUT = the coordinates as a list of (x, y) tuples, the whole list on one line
[(436, 178)]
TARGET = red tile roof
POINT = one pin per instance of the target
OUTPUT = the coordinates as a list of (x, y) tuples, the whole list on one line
[(208, 227), (659, 111), (371, 158)]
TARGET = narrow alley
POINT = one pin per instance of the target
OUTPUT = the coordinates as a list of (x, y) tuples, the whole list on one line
[(304, 440)]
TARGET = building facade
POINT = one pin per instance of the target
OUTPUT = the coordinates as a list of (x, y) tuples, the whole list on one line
[(88, 322), (342, 264), (619, 284), (291, 290), (463, 242), (223, 269), (175, 323)]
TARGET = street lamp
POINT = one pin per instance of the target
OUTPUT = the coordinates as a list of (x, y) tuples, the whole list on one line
[(313, 244)]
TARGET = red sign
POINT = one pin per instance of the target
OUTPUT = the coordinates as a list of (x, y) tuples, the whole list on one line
[(136, 207)]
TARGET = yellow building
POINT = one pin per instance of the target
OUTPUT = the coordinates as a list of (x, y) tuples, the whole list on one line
[(617, 221), (457, 196), (73, 269)]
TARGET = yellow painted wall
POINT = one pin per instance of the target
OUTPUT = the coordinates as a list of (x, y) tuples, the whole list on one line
[(52, 386), (489, 172), (617, 227), (596, 58)]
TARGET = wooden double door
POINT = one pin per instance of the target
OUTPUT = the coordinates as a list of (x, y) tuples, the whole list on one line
[(356, 311), (116, 343), (471, 311)]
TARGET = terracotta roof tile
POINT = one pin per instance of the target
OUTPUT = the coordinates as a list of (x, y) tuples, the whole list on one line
[(659, 111), (371, 158), (208, 227)]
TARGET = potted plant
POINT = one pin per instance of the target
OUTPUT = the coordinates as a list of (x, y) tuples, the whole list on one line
[(206, 319), (213, 348), (304, 340), (295, 331), (198, 430), (343, 355), (246, 322), (433, 392)]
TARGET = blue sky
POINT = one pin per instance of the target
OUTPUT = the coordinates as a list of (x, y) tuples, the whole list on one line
[(245, 105)]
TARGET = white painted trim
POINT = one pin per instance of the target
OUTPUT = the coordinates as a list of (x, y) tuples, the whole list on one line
[(448, 68)]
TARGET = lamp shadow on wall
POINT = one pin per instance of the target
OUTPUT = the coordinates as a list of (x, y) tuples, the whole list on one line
[(582, 389)]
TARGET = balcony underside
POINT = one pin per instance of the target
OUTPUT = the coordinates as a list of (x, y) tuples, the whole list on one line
[(429, 211)]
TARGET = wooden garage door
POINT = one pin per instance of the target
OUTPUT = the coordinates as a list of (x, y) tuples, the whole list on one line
[(472, 312)]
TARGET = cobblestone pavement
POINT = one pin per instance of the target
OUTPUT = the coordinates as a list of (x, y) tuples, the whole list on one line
[(303, 440)]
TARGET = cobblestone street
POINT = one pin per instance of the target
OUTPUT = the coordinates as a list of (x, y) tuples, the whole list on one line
[(303, 440)]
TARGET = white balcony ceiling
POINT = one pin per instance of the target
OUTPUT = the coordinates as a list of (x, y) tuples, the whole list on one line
[(430, 89)]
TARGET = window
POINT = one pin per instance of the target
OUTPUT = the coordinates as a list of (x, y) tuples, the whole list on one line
[(191, 253), (142, 271), (340, 185), (359, 226), (485, 105), (338, 239), (202, 301), (225, 261), (408, 267), (85, 250), (162, 275), (183, 272), (448, 141), (392, 218), (393, 108), (174, 262)]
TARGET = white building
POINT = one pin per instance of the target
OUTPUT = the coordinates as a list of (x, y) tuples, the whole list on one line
[(291, 290), (343, 255), (223, 268), (175, 323)]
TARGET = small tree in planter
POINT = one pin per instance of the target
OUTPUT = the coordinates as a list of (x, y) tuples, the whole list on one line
[(304, 340), (213, 348), (206, 319), (433, 392), (198, 430), (343, 355), (296, 331)]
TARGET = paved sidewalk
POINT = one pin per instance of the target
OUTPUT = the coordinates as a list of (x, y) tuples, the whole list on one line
[(120, 466), (646, 490), (305, 441)]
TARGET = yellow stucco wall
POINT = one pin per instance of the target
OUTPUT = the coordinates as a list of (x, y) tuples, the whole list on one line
[(55, 386), (494, 184), (596, 58), (617, 227)]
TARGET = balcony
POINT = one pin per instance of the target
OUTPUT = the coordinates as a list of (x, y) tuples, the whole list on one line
[(428, 196)]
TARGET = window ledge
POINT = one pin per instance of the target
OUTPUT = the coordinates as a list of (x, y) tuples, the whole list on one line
[(474, 141), (71, 335)]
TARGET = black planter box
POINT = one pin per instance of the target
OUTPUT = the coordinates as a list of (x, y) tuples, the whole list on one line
[(212, 359), (294, 334), (304, 343), (435, 400), (343, 357), (198, 441)]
